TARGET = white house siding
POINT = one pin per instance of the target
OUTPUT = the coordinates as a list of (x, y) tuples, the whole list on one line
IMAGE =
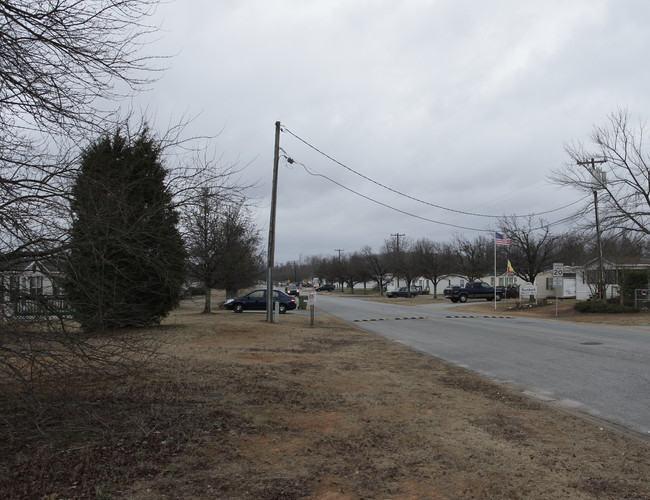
[(585, 291), (578, 287), (20, 284)]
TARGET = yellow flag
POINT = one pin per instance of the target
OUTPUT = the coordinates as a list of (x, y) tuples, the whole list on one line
[(510, 269)]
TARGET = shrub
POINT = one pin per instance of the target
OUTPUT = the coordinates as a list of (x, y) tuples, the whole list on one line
[(596, 306)]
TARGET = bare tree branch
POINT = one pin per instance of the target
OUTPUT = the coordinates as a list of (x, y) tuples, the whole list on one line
[(624, 193)]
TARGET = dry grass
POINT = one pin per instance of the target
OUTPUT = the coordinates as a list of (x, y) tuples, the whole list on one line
[(238, 408)]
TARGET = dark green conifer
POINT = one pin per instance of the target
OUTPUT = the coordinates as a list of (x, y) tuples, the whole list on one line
[(126, 263)]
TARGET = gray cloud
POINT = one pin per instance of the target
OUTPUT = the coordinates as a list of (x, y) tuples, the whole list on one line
[(464, 104)]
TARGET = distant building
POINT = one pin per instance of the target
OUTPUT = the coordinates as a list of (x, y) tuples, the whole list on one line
[(580, 282)]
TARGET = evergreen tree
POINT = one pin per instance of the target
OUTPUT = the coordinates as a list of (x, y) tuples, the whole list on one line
[(126, 263)]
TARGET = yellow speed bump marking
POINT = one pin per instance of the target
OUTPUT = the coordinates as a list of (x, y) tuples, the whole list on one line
[(489, 317), (386, 319)]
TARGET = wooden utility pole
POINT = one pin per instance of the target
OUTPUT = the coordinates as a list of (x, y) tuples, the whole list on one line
[(597, 184), (397, 235), (339, 250), (274, 201)]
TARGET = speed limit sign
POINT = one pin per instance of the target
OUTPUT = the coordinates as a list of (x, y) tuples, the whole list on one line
[(558, 273)]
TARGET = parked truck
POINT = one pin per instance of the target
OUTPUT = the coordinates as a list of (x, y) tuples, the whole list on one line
[(473, 290)]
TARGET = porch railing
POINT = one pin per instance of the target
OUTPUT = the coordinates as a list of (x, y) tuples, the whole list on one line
[(37, 307)]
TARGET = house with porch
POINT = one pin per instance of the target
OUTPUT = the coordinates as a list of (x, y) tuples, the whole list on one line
[(30, 288)]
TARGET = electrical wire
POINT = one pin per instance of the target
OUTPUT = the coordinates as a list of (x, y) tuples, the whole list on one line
[(291, 161), (316, 174), (285, 129)]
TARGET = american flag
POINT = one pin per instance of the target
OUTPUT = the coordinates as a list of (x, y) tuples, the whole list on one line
[(499, 239)]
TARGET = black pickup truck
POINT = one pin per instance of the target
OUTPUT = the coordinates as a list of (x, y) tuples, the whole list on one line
[(474, 290)]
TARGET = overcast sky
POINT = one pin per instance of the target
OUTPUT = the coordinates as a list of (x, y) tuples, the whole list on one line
[(461, 104)]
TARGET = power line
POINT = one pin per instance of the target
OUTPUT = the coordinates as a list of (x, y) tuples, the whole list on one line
[(382, 203), (420, 217), (285, 129)]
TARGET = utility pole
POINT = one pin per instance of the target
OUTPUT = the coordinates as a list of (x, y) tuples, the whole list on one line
[(598, 183), (274, 202), (339, 250), (397, 235)]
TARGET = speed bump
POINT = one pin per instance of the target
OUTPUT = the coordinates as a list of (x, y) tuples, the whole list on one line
[(487, 317)]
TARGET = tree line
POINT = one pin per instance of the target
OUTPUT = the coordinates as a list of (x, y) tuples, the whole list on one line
[(533, 251)]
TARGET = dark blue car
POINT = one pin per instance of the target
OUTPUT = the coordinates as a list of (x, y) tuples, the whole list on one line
[(256, 301)]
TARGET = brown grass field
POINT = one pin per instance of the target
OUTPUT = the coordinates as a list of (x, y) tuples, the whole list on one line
[(234, 407)]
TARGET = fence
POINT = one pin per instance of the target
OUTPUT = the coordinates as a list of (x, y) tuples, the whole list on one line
[(37, 308), (642, 299)]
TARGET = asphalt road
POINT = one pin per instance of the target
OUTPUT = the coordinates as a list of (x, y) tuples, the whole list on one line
[(598, 370)]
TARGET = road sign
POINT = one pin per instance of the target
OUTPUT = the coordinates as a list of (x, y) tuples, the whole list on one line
[(558, 274), (311, 298)]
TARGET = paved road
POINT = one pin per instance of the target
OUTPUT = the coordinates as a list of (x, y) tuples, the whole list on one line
[(602, 371)]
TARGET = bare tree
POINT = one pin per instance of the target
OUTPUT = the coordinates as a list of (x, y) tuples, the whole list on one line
[(534, 248), (325, 269), (201, 236), (356, 270), (378, 265), (434, 261), (242, 262), (619, 173), (62, 63), (574, 248), (61, 59), (404, 260), (472, 259), (295, 270), (222, 243)]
